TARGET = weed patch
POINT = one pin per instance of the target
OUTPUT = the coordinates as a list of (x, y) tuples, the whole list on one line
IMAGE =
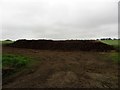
[(12, 63)]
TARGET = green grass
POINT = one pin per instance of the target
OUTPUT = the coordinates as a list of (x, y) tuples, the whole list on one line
[(14, 61), (6, 42), (114, 57), (114, 43), (111, 42), (110, 56)]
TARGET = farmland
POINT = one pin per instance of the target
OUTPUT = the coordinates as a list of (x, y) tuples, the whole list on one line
[(60, 68), (111, 42)]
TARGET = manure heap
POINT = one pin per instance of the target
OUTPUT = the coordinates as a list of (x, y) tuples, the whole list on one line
[(72, 45)]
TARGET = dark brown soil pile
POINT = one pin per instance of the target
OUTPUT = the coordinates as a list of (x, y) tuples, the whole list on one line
[(83, 45)]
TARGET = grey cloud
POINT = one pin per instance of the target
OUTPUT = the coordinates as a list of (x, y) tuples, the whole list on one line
[(59, 19)]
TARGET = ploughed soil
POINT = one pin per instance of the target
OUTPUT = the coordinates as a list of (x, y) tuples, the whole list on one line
[(61, 69)]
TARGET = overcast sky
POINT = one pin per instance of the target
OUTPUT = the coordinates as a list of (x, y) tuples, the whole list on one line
[(59, 19)]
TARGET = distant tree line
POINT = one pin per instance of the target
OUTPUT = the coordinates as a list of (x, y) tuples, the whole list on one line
[(109, 39), (8, 40), (74, 39)]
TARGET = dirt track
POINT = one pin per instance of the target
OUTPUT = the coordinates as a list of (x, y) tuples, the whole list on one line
[(63, 69)]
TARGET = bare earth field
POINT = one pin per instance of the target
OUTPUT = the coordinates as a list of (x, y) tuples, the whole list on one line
[(51, 69)]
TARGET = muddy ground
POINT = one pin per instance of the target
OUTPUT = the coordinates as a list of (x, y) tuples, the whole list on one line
[(51, 69)]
